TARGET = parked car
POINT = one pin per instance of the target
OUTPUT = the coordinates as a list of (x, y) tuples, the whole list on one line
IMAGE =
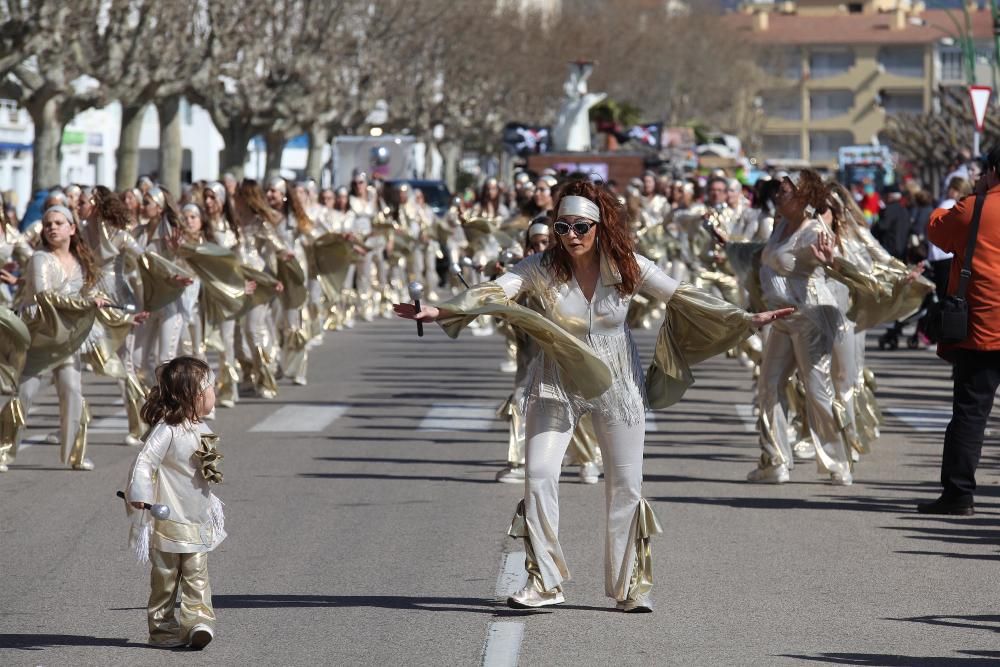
[(436, 193)]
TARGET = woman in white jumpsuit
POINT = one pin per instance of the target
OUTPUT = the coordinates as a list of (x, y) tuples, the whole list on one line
[(586, 282)]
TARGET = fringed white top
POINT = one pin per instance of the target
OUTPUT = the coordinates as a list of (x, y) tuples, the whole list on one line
[(601, 324)]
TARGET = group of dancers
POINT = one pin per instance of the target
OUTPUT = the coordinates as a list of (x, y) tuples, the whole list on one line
[(123, 284), (710, 272)]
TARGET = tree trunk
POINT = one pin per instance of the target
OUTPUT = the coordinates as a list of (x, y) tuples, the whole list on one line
[(171, 150), (127, 155), (319, 137), (48, 140), (452, 155), (275, 142), (237, 134)]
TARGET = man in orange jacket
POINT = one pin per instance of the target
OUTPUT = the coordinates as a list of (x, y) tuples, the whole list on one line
[(977, 358)]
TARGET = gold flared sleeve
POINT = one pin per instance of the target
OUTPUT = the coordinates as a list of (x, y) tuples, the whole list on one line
[(209, 458), (293, 278), (14, 342), (334, 256), (744, 258), (158, 288), (266, 287), (579, 367), (905, 297), (864, 287), (222, 283), (58, 328), (697, 326)]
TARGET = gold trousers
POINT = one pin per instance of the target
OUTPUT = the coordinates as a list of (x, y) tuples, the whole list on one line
[(170, 572)]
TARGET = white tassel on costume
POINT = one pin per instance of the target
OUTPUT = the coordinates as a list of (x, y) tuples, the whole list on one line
[(218, 518), (140, 541)]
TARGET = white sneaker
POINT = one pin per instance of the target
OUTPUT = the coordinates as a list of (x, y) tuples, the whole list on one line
[(642, 605), (511, 475), (266, 394), (227, 403), (200, 637), (132, 441), (772, 475), (590, 473), (85, 464), (52, 439), (804, 450), (300, 381), (3, 467), (210, 416), (841, 478), (855, 456), (530, 598), (508, 366)]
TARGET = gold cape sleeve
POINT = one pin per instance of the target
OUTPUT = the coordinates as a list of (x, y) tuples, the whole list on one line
[(903, 297), (266, 284), (157, 288), (222, 283), (291, 275), (578, 365), (744, 258), (14, 342), (697, 326), (334, 255), (58, 328)]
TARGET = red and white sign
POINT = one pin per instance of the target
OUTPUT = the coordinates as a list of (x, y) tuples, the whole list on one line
[(980, 96)]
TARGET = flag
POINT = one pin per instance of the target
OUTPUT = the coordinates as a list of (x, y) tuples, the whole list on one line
[(522, 139)]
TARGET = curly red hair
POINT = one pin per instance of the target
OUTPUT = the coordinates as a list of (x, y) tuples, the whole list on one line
[(613, 236)]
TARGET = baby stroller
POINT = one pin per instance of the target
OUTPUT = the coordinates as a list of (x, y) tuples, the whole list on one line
[(890, 339)]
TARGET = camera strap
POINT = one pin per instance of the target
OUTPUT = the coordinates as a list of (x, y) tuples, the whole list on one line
[(966, 273)]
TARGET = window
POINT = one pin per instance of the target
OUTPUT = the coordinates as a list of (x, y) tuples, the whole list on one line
[(782, 146), (902, 60), (825, 64), (830, 103), (9, 113), (824, 146), (784, 104), (952, 64), (782, 63), (903, 102)]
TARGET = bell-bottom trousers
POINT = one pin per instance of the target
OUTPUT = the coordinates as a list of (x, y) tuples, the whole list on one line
[(548, 435)]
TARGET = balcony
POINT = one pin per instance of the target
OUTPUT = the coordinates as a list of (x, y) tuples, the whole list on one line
[(827, 104)]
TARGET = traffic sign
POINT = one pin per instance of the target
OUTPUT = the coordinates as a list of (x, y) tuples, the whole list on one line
[(980, 96)]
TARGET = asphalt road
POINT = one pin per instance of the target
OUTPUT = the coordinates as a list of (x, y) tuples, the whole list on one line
[(365, 528)]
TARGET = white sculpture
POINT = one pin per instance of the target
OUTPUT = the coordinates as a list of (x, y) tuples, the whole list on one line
[(572, 129)]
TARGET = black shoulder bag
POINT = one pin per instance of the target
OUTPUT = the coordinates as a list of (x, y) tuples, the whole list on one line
[(949, 322)]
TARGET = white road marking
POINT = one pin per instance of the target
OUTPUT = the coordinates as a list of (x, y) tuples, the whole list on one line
[(651, 422), (926, 420), (503, 644), (116, 423), (513, 576), (745, 413), (459, 417), (300, 419)]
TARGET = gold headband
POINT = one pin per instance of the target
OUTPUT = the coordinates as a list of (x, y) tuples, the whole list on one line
[(579, 206)]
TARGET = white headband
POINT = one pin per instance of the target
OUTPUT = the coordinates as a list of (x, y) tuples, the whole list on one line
[(62, 210), (538, 228), (579, 206)]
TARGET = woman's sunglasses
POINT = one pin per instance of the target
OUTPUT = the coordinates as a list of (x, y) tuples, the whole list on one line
[(561, 227)]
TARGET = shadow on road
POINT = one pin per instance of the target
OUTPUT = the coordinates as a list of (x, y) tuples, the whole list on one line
[(883, 660), (978, 622), (855, 503), (418, 603), (40, 642)]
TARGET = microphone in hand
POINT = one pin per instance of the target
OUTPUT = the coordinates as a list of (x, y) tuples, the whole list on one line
[(417, 293)]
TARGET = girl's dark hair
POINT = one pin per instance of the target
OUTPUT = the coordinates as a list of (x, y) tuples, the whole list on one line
[(764, 193), (79, 249), (110, 207), (174, 399), (613, 236)]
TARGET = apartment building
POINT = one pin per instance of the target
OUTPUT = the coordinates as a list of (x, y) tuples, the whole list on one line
[(833, 71)]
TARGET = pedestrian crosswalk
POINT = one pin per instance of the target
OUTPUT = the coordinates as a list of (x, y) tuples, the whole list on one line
[(460, 417), (300, 419), (923, 420)]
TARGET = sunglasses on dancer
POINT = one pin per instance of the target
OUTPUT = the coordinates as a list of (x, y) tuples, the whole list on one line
[(561, 227)]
